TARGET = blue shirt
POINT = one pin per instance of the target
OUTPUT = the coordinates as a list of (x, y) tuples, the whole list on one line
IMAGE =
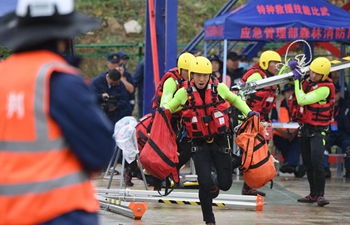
[(99, 86)]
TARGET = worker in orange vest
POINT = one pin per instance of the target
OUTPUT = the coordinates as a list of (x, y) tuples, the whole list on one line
[(53, 135)]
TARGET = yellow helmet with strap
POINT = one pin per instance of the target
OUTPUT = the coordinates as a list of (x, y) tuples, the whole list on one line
[(321, 65), (200, 64), (268, 56)]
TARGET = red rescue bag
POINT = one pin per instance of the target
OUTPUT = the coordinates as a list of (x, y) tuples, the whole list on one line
[(257, 162), (143, 130), (159, 155)]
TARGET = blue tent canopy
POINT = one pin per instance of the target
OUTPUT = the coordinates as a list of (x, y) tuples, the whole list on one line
[(7, 6), (281, 20)]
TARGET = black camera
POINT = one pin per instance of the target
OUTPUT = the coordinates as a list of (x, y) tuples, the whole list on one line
[(110, 102)]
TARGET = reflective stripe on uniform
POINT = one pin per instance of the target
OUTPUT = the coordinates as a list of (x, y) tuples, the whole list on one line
[(42, 142), (43, 186)]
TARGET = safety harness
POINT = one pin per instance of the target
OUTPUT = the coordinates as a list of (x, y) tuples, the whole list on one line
[(205, 118), (314, 114)]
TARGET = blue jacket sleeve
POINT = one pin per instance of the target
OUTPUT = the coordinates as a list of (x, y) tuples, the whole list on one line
[(87, 131), (129, 78), (96, 87)]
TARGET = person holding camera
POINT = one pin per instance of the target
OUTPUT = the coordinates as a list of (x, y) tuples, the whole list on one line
[(115, 61), (113, 97), (111, 94)]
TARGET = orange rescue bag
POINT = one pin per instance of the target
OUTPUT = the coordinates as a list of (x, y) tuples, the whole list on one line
[(257, 162)]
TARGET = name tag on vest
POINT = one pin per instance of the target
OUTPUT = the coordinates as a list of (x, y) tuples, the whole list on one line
[(270, 99)]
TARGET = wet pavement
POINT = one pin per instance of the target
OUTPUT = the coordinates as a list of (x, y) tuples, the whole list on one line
[(281, 206)]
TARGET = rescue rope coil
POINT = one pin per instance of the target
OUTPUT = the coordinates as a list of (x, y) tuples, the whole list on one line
[(299, 58)]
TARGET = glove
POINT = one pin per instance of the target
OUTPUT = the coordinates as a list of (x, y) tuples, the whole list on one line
[(292, 64), (253, 113), (296, 74)]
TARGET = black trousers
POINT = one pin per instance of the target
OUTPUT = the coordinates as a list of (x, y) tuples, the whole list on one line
[(312, 145), (204, 158)]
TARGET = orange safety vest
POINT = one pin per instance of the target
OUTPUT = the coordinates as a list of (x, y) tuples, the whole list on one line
[(40, 178), (283, 117)]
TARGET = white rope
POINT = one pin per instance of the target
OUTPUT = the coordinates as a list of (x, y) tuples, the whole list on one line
[(300, 58)]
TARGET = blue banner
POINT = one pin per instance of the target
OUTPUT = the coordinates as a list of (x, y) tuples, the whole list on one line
[(281, 20)]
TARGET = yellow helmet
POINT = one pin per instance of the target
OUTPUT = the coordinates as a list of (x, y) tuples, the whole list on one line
[(268, 56), (321, 65), (200, 64), (184, 61)]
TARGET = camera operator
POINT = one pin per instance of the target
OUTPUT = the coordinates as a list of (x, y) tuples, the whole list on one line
[(115, 61), (111, 94)]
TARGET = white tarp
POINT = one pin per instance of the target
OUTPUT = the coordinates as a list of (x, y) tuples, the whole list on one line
[(125, 137)]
